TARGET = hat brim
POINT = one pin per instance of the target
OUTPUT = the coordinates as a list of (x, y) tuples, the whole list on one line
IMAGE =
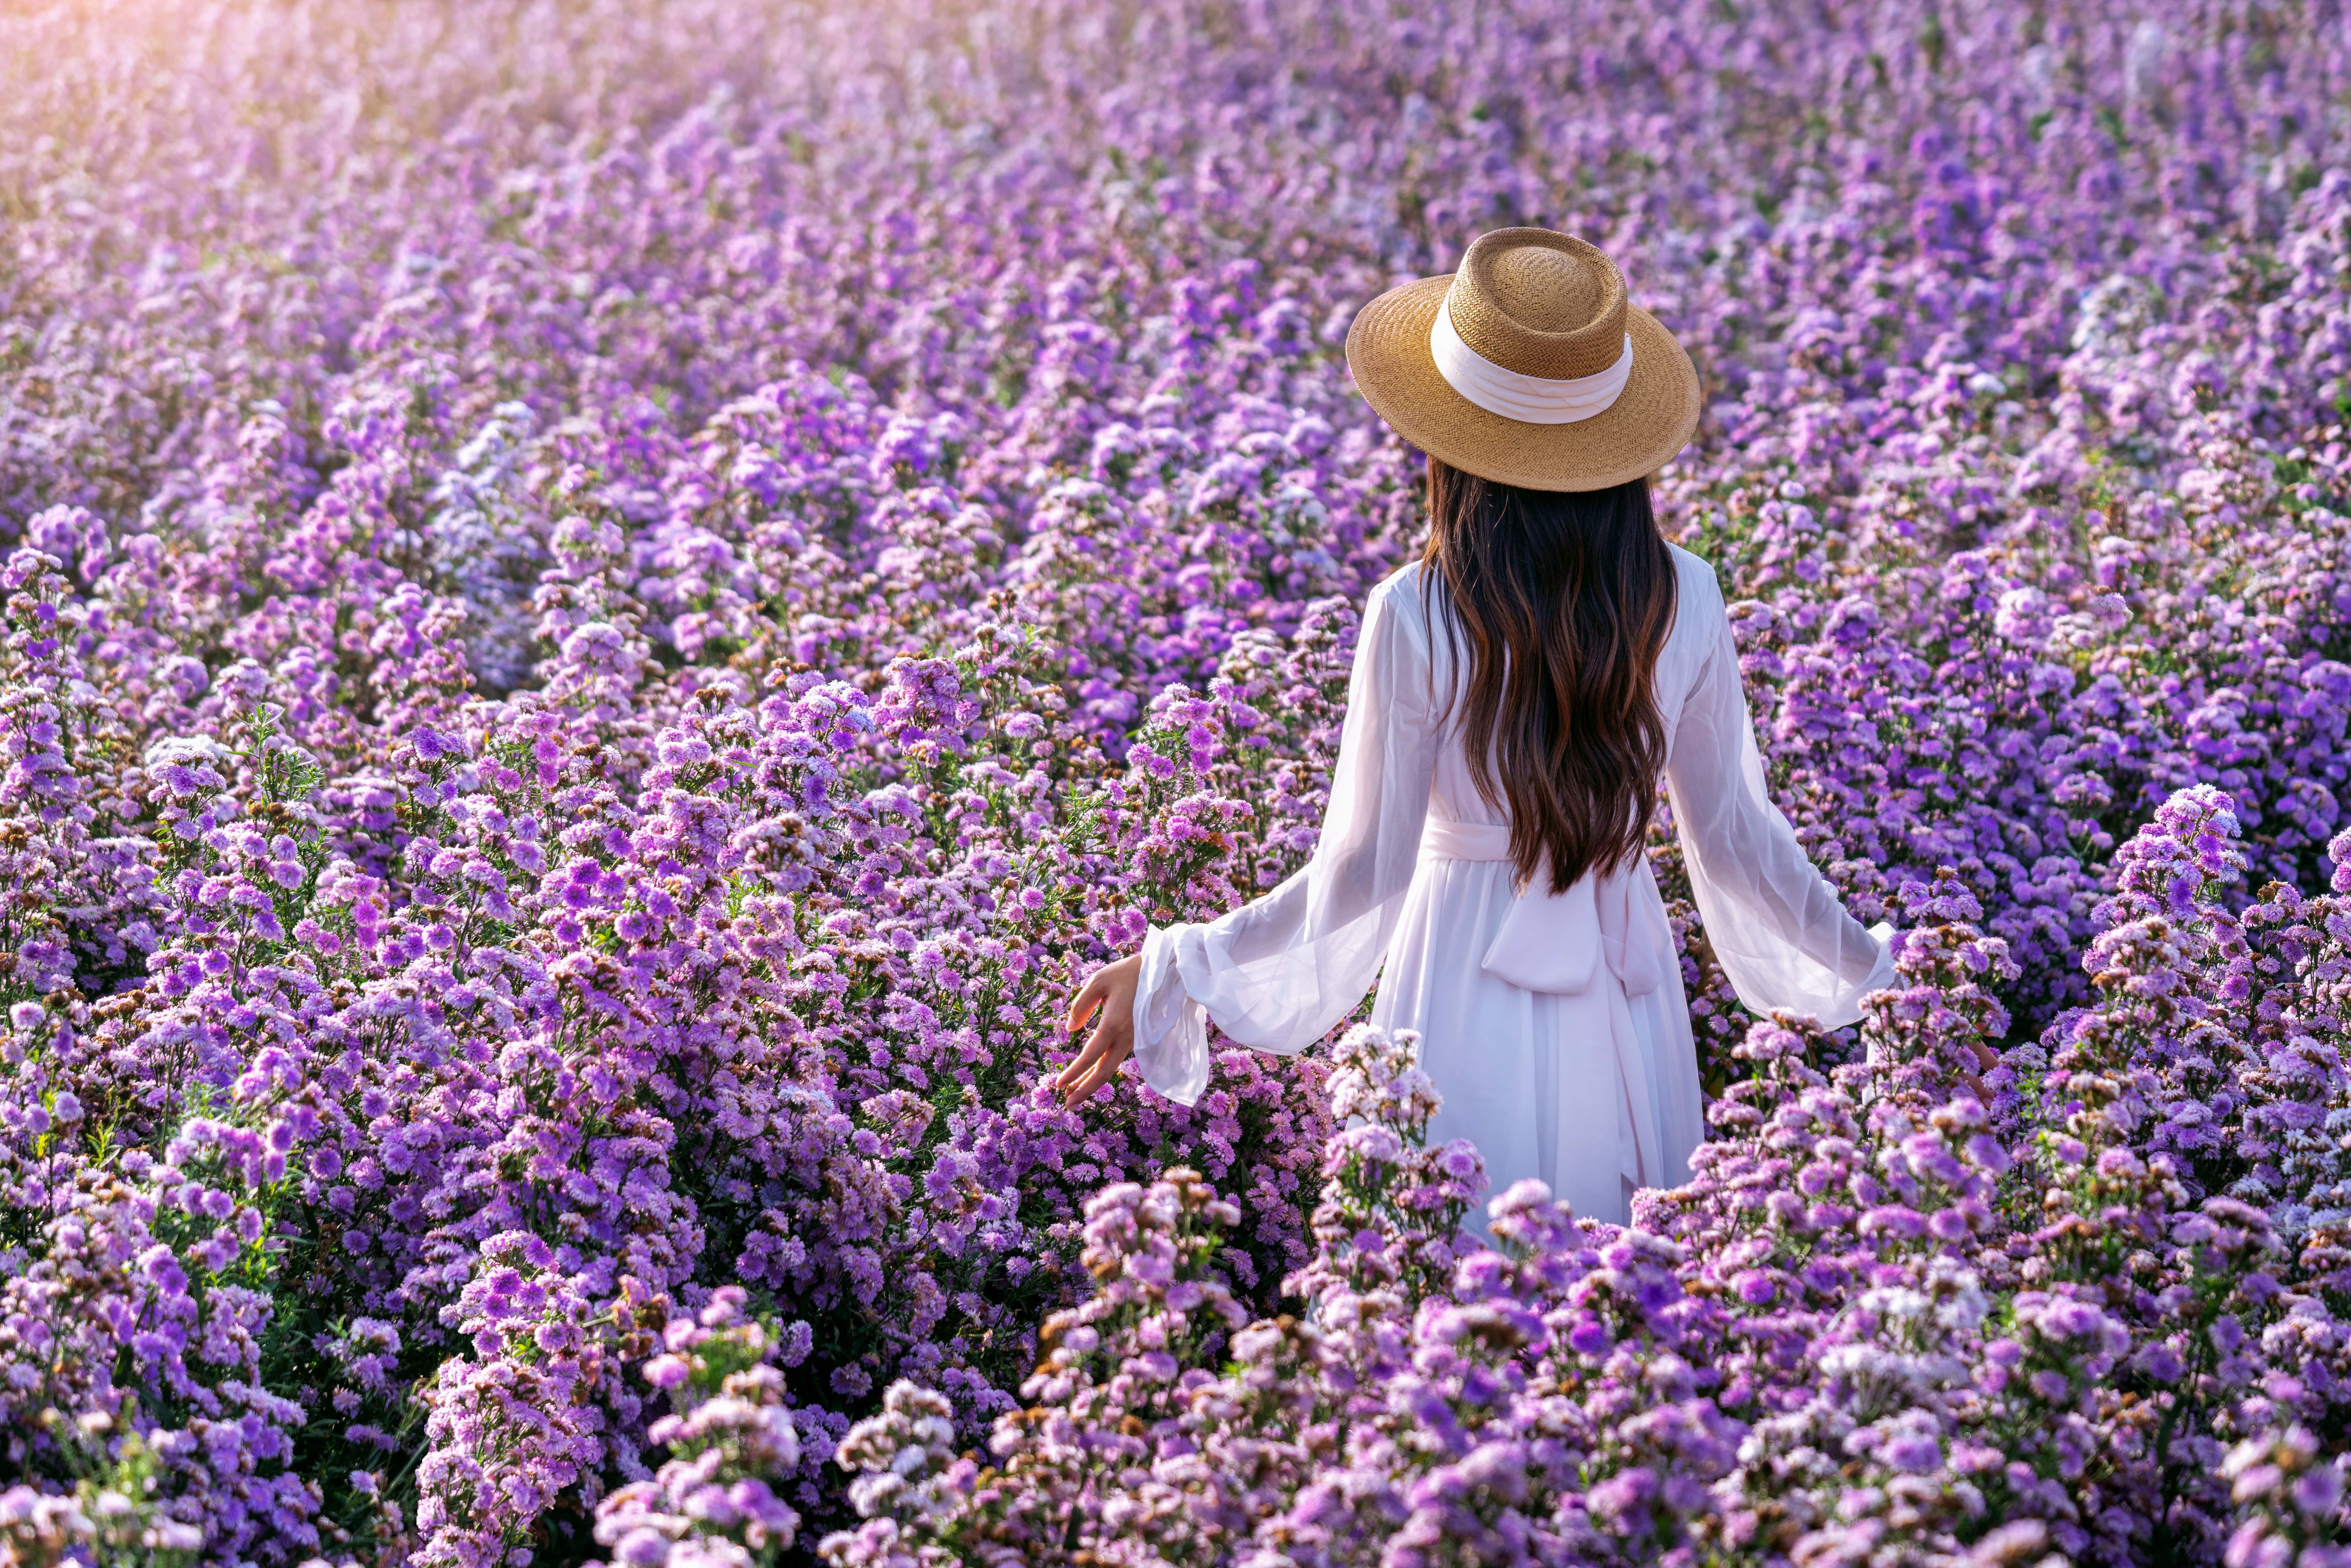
[(1650, 421)]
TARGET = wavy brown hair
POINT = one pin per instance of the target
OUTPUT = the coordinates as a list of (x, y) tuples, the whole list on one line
[(1560, 601)]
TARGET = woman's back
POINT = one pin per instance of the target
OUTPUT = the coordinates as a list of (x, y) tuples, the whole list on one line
[(1698, 618), (1553, 1022)]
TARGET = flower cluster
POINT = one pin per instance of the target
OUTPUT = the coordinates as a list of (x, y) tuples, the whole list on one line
[(604, 608), (713, 1503)]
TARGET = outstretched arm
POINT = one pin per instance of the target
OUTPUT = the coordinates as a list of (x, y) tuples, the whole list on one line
[(1278, 973), (1782, 936)]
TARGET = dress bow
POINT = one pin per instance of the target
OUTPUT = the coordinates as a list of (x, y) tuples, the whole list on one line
[(1556, 942)]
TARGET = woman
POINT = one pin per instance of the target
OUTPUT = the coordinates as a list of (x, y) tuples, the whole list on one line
[(1517, 692)]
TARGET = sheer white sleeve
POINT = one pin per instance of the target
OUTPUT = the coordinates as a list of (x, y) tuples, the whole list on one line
[(1279, 973), (1776, 924)]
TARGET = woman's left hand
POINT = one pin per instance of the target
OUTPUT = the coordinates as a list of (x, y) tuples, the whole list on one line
[(1113, 987)]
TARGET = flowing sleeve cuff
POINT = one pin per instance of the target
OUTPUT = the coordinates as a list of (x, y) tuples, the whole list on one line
[(1880, 977), (1171, 1029)]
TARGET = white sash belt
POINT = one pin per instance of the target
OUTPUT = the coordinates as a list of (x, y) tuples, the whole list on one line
[(1557, 942)]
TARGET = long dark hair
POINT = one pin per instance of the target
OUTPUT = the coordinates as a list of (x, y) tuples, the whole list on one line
[(1562, 601)]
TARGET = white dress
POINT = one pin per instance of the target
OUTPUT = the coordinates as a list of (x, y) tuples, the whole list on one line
[(1554, 1027)]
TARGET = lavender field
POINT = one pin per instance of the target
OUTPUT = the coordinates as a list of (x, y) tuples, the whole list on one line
[(607, 604)]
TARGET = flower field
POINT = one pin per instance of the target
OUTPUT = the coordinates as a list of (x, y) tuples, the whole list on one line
[(607, 605)]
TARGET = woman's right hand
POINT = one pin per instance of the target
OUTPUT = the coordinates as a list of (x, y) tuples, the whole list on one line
[(1112, 988)]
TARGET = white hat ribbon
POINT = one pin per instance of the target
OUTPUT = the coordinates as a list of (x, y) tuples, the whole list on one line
[(1529, 399)]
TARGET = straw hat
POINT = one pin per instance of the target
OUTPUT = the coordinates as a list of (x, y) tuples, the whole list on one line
[(1527, 366)]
